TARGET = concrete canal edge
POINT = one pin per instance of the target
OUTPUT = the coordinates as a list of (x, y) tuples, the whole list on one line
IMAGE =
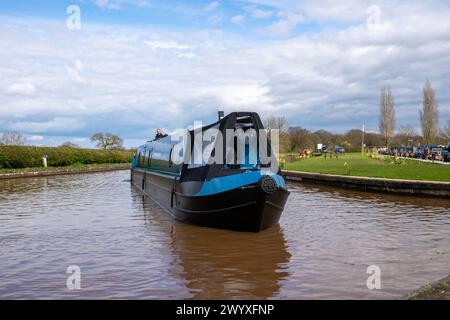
[(56, 172), (439, 290), (395, 186)]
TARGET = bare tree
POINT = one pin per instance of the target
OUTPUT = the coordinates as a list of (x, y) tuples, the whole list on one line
[(273, 122), (406, 135), (12, 139), (408, 131), (299, 138), (429, 115), (387, 116), (447, 130), (107, 141)]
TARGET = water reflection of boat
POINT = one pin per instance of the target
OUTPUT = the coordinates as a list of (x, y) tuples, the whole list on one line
[(218, 264), (240, 195)]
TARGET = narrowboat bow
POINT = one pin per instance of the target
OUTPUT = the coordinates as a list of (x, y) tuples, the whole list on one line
[(239, 196)]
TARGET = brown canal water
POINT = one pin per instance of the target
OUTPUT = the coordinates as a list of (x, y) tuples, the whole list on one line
[(126, 247)]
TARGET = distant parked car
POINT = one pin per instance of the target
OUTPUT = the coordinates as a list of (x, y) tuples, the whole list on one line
[(437, 154), (339, 150), (446, 154)]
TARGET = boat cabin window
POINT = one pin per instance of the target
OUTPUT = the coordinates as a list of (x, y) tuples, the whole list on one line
[(247, 157), (138, 157), (144, 158), (149, 158), (207, 148), (245, 153)]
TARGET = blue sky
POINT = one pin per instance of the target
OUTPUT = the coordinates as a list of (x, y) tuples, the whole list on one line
[(135, 65), (243, 17)]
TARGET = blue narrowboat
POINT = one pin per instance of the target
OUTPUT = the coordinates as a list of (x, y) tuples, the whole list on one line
[(239, 196)]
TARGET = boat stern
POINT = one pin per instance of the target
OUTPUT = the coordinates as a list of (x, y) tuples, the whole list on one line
[(252, 207)]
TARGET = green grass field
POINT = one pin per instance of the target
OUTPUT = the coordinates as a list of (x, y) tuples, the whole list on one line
[(353, 164)]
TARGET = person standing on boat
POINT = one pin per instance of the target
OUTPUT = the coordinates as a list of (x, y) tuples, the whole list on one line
[(159, 134)]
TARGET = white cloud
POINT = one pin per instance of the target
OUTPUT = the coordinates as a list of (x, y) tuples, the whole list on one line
[(55, 125), (74, 72), (188, 55), (107, 4), (328, 79), (79, 65), (58, 140), (238, 19), (74, 75), (284, 26), (167, 44), (215, 19), (258, 13), (25, 88), (262, 14), (212, 6), (35, 138), (118, 4)]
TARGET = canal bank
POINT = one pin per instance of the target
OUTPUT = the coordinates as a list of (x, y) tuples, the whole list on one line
[(395, 186), (439, 290), (43, 172)]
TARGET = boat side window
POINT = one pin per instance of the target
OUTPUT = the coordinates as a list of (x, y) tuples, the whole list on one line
[(138, 158), (145, 159), (141, 159), (208, 148), (170, 157), (149, 160), (242, 157)]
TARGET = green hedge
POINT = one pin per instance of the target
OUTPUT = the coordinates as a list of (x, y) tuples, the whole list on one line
[(13, 157)]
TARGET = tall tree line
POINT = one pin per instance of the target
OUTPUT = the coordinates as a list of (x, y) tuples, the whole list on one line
[(429, 118), (387, 116), (294, 139), (429, 115)]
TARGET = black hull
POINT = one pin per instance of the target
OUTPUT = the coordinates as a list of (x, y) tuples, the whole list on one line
[(243, 209)]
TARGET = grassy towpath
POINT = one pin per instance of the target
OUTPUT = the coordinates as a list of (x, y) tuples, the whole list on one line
[(49, 171), (354, 164)]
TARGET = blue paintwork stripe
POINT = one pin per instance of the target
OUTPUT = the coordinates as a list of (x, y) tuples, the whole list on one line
[(226, 183)]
